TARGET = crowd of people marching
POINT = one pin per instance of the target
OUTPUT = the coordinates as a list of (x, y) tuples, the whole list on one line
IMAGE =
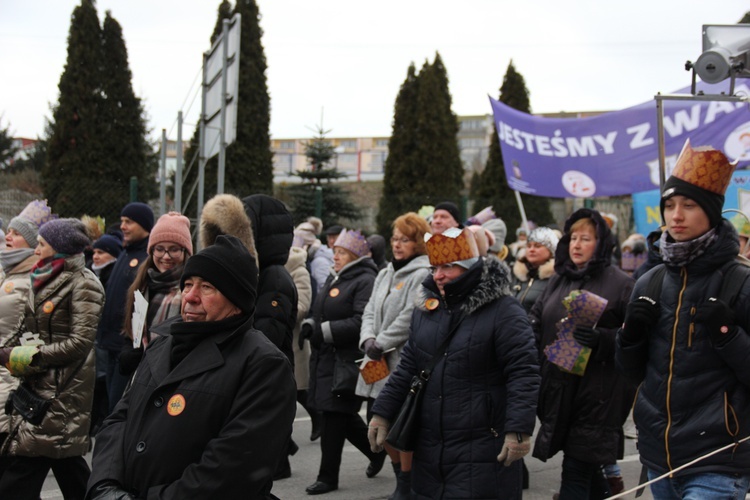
[(185, 367)]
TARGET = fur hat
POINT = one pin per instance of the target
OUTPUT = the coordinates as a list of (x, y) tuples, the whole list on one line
[(703, 175), (225, 214), (306, 234), (66, 236), (354, 242), (110, 244), (454, 246), (27, 223), (545, 237), (173, 227), (140, 213), (229, 267)]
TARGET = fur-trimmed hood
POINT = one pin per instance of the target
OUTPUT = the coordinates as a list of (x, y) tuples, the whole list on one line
[(225, 214), (485, 282), (521, 272)]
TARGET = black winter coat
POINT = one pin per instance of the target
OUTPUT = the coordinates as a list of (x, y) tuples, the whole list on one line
[(109, 333), (225, 437), (276, 306), (693, 398), (485, 386), (338, 311), (583, 415)]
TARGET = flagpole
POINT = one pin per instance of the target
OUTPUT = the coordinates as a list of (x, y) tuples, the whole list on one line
[(524, 221)]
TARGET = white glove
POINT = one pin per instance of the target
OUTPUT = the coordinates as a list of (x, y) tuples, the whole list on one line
[(377, 430), (515, 447)]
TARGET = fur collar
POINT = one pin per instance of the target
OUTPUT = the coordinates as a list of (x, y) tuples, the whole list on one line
[(546, 270), (493, 284), (225, 214)]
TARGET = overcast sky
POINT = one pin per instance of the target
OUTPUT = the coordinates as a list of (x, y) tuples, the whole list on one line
[(349, 57)]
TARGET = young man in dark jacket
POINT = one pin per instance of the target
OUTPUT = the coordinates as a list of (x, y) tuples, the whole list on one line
[(689, 349), (212, 405)]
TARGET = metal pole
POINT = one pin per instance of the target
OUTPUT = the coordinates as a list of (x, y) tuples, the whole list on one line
[(133, 188), (319, 202), (223, 119), (524, 222), (163, 174), (660, 140), (178, 168), (202, 154)]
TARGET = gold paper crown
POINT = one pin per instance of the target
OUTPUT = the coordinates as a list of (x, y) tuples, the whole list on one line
[(454, 245), (705, 167)]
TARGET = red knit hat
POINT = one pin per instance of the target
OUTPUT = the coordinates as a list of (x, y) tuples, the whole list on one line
[(173, 227)]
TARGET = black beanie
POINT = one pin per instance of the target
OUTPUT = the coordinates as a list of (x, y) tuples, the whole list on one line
[(140, 213), (452, 209), (711, 203), (229, 267)]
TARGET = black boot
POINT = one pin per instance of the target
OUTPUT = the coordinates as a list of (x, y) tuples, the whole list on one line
[(397, 472), (403, 486), (315, 416)]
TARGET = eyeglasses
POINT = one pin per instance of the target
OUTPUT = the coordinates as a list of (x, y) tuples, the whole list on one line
[(443, 267), (403, 240), (173, 252)]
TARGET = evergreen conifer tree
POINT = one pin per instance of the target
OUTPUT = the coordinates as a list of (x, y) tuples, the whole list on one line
[(336, 204), (7, 151), (493, 186), (424, 164)]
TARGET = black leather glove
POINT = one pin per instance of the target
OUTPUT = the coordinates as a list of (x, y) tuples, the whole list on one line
[(587, 336), (130, 359), (305, 332), (373, 350), (719, 321), (109, 490), (640, 316), (316, 338)]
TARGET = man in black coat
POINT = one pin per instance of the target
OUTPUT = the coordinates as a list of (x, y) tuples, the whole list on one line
[(212, 405)]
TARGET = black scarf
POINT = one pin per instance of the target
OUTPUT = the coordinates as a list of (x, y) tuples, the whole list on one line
[(400, 264), (186, 335)]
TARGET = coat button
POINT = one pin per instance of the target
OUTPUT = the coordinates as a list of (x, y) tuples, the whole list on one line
[(140, 447), (159, 402)]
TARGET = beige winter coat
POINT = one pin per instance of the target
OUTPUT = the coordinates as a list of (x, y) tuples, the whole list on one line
[(297, 267), (13, 294), (64, 314)]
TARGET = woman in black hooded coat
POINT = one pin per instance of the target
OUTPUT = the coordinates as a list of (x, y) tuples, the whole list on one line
[(583, 415)]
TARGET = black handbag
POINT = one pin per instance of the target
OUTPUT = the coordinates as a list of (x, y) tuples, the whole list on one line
[(345, 373), (27, 403), (404, 431)]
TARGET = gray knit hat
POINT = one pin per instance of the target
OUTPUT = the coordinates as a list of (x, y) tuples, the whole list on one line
[(66, 236), (500, 230)]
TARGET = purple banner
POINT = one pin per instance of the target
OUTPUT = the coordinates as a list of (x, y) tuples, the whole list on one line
[(616, 153)]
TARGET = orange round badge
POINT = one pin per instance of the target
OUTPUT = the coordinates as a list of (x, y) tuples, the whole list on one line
[(400, 286), (48, 307), (9, 286), (334, 292), (431, 304), (133, 262), (176, 405)]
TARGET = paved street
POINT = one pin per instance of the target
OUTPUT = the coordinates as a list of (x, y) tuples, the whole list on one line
[(354, 485)]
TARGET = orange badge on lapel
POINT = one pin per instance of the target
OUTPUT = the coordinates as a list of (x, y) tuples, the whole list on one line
[(133, 262), (176, 405), (48, 307), (431, 304), (9, 287), (400, 286), (334, 292)]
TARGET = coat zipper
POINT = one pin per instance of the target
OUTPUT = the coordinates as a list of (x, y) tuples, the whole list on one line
[(683, 273), (525, 292)]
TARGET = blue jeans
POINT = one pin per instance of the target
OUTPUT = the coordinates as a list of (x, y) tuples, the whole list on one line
[(700, 486)]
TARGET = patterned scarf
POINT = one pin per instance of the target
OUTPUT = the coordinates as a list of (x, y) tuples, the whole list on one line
[(45, 270), (681, 253)]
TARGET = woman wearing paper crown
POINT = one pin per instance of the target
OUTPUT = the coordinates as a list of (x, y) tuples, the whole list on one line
[(17, 259), (688, 345), (51, 353), (158, 282), (385, 323), (582, 415), (478, 407), (333, 332)]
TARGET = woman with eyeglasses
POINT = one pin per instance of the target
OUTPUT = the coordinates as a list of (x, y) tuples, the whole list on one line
[(158, 279), (385, 322)]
